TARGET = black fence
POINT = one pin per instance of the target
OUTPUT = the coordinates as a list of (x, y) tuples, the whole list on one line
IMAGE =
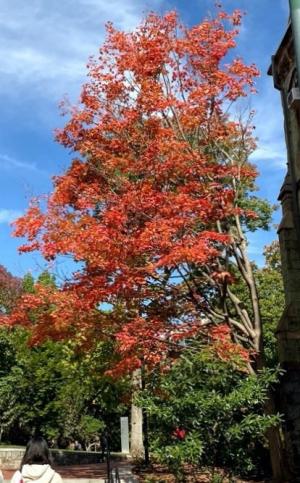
[(112, 475)]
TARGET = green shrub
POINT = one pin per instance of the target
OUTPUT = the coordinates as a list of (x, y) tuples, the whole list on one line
[(208, 412)]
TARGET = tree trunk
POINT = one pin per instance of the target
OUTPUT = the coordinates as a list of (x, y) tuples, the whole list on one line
[(136, 441), (273, 434), (254, 328), (275, 447)]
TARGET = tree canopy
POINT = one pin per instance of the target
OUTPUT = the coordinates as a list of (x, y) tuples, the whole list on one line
[(158, 168)]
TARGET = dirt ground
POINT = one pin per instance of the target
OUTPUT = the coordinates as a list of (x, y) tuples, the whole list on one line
[(159, 474)]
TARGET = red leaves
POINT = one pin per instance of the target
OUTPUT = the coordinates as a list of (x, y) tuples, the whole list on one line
[(225, 348), (140, 203), (30, 224), (220, 333), (223, 277)]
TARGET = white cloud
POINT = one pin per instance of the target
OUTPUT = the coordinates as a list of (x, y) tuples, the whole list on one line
[(271, 151), (44, 48), (268, 120), (7, 216), (7, 162)]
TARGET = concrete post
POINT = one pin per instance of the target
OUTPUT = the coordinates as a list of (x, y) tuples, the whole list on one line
[(124, 435)]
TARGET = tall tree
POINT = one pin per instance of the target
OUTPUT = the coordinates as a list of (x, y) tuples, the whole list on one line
[(142, 204), (156, 201)]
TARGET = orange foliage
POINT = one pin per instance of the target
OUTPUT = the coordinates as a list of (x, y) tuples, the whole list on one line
[(139, 203)]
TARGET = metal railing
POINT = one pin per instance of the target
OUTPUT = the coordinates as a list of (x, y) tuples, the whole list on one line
[(112, 474), (115, 477)]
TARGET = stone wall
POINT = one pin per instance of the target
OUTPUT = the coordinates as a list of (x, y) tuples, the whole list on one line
[(286, 80), (10, 458)]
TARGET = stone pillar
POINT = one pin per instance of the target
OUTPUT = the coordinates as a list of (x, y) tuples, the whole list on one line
[(288, 331), (124, 435)]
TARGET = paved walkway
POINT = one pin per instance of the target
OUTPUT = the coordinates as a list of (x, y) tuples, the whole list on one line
[(89, 473)]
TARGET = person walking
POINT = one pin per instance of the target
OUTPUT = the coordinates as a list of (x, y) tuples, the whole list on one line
[(36, 464)]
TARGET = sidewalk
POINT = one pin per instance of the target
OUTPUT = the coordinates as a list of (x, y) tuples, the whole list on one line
[(88, 473)]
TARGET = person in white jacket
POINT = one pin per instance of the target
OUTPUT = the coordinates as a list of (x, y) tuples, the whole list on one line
[(36, 464), (1, 477)]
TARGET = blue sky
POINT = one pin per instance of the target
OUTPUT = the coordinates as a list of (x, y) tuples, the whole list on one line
[(44, 47)]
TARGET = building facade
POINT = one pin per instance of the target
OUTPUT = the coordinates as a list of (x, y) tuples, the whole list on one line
[(285, 77)]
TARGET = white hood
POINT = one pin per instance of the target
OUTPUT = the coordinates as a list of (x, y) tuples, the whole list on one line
[(37, 473)]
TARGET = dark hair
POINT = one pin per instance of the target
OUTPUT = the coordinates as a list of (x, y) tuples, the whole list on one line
[(37, 452)]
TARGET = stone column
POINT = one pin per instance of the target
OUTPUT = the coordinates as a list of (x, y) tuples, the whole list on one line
[(288, 331), (124, 434)]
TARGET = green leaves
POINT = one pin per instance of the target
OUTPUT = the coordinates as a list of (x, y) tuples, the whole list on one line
[(54, 390), (259, 211), (217, 408)]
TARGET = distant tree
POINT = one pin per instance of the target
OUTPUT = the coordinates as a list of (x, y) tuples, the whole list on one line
[(28, 283), (10, 290), (54, 389), (272, 256)]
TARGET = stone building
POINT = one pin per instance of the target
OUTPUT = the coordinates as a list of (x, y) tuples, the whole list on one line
[(284, 71)]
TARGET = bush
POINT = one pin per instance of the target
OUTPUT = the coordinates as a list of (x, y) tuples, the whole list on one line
[(209, 412)]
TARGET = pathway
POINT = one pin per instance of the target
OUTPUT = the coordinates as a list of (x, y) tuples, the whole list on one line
[(88, 473)]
